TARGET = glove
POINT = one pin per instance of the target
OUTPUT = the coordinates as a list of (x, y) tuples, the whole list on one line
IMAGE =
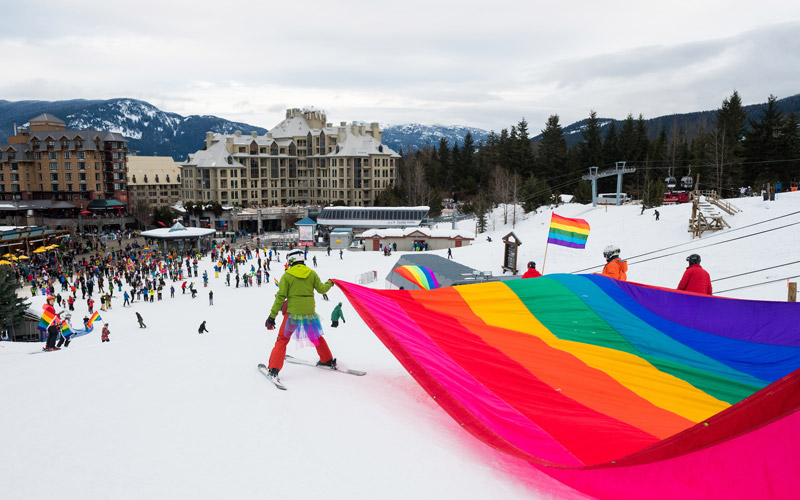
[(332, 283), (270, 324)]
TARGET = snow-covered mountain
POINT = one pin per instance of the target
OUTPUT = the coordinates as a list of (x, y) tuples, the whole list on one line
[(153, 131), (413, 136), (149, 129)]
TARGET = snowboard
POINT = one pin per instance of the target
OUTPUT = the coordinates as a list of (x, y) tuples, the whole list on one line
[(338, 368), (275, 380)]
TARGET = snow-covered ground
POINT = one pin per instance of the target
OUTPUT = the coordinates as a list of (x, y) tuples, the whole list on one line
[(163, 412)]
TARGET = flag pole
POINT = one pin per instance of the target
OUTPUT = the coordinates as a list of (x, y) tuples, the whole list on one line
[(547, 245), (545, 256)]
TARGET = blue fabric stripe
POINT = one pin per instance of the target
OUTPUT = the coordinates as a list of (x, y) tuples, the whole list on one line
[(763, 361), (643, 335), (580, 239)]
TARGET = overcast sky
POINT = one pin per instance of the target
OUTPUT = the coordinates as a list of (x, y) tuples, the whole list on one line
[(481, 64)]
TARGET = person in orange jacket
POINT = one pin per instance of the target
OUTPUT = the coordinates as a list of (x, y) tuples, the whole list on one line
[(531, 272), (695, 278), (615, 267)]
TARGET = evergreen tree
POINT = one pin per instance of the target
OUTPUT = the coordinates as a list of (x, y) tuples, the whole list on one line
[(724, 145), (765, 145), (628, 141), (583, 192), (535, 192), (611, 152), (523, 151), (552, 153), (591, 149), (12, 308)]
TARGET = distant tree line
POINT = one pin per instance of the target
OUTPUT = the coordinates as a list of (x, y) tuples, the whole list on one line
[(730, 152)]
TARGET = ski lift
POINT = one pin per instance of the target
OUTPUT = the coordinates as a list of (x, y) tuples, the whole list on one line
[(686, 181), (671, 182)]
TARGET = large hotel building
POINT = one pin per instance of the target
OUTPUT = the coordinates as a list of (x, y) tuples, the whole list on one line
[(48, 162), (303, 160)]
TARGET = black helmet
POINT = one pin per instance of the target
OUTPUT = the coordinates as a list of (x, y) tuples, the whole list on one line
[(531, 265), (693, 259)]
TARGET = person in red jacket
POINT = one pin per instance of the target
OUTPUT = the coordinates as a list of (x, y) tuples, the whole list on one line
[(695, 278), (531, 272)]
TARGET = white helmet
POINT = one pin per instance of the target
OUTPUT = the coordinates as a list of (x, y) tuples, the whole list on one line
[(611, 251)]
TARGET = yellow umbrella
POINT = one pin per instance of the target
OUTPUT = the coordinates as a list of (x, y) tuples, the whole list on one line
[(5, 263), (40, 250), (23, 257), (7, 255), (14, 258), (52, 247)]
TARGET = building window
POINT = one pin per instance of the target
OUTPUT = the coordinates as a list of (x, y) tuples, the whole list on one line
[(81, 155), (54, 177), (67, 176), (53, 165), (67, 155), (67, 166)]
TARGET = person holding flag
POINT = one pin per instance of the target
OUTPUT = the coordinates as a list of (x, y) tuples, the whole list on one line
[(53, 322)]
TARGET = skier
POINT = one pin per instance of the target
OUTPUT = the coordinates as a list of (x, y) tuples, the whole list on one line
[(64, 339), (202, 328), (450, 254), (314, 260), (297, 287), (140, 320), (657, 214), (127, 299), (695, 278), (336, 315), (105, 332), (531, 272), (615, 267), (340, 254), (54, 327), (211, 297)]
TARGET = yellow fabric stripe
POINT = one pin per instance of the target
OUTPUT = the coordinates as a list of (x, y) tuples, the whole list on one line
[(498, 306), (573, 229)]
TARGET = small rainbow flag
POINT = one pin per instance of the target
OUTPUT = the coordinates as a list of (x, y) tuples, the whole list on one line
[(45, 320), (420, 276), (277, 283), (95, 317), (566, 232)]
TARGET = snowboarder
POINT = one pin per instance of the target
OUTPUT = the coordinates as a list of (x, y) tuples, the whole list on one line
[(296, 288), (336, 315), (105, 332), (615, 267), (202, 328), (695, 278), (140, 320), (531, 272)]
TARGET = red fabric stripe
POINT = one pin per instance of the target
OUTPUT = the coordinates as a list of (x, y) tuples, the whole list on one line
[(595, 438)]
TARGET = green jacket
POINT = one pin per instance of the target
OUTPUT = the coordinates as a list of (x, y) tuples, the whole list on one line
[(336, 315), (298, 284)]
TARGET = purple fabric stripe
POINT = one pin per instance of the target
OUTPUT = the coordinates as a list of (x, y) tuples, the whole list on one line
[(750, 320), (563, 243)]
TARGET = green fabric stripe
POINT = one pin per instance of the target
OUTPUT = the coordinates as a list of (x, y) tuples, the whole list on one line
[(569, 318), (573, 234)]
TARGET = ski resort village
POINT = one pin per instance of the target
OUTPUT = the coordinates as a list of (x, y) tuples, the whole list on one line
[(306, 312)]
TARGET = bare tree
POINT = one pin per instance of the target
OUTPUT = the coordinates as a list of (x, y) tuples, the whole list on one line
[(501, 189), (416, 185)]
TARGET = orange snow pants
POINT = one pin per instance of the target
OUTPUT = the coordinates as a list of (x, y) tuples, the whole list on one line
[(278, 353)]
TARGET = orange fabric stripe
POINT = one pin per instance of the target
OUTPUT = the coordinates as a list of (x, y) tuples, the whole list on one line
[(561, 370)]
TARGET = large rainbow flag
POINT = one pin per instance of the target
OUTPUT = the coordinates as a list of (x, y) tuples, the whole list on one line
[(566, 232), (421, 276), (45, 320), (94, 317), (616, 389)]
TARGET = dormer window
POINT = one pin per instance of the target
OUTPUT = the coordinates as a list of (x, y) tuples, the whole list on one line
[(167, 178), (134, 179), (230, 160), (145, 179), (156, 177)]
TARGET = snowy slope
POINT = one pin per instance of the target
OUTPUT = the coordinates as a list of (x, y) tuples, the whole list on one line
[(165, 413)]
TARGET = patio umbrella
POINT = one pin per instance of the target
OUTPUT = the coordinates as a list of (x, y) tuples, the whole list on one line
[(87, 212), (5, 263), (50, 247), (7, 255), (25, 257), (40, 250)]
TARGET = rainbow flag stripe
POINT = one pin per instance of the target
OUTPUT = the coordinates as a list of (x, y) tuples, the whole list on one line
[(45, 320), (566, 232), (616, 389), (93, 318), (421, 276)]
